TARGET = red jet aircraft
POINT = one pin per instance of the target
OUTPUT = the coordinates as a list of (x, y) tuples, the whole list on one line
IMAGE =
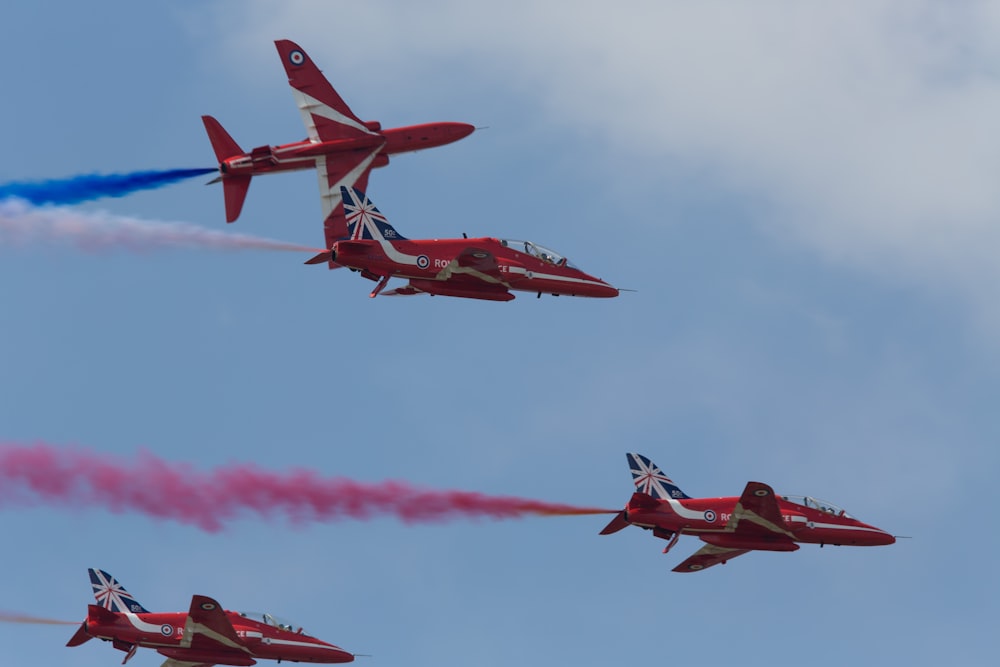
[(205, 636), (757, 520), (341, 147), (483, 268)]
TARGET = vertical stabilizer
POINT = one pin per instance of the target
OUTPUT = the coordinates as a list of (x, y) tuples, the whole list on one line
[(364, 221), (112, 595), (650, 480), (223, 144)]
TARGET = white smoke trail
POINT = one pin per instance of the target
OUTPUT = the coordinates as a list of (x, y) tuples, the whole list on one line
[(23, 224)]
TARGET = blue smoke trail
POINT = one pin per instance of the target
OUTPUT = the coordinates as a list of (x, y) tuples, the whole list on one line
[(94, 186)]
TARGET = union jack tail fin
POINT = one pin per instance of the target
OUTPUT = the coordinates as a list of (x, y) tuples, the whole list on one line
[(112, 595), (364, 221), (650, 480)]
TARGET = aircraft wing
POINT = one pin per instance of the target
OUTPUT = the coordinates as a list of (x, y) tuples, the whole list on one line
[(341, 169), (757, 514), (708, 556), (755, 517), (475, 263), (207, 628), (325, 114)]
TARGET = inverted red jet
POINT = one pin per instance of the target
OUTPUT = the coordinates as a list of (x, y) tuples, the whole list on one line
[(204, 636), (731, 527), (341, 147), (481, 268)]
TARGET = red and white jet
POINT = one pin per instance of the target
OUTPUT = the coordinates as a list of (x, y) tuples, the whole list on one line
[(341, 147), (730, 527), (204, 636), (480, 268)]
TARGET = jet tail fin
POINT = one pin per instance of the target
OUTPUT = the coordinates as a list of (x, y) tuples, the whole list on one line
[(223, 144), (111, 595), (234, 188), (650, 480), (364, 221)]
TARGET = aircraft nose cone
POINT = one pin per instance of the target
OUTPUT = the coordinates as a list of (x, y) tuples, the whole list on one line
[(880, 538), (607, 291), (463, 130)]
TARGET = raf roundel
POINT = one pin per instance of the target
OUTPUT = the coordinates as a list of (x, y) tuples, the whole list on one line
[(710, 516), (296, 57), (760, 493), (423, 262), (207, 606), (166, 630)]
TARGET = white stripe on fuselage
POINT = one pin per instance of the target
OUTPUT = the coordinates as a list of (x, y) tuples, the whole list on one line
[(534, 275), (142, 625), (837, 526), (290, 642), (683, 512)]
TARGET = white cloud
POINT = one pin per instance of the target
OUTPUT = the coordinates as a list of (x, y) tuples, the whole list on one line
[(868, 129)]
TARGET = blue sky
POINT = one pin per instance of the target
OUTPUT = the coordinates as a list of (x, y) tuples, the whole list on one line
[(804, 197)]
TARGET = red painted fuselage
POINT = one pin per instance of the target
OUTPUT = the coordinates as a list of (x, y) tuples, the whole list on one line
[(707, 519), (248, 640), (303, 154), (479, 268)]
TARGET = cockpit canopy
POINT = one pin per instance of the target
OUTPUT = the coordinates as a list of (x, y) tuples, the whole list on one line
[(535, 250), (817, 504), (274, 621)]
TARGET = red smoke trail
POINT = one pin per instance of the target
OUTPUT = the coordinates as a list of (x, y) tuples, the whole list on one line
[(41, 473), (21, 223), (8, 617)]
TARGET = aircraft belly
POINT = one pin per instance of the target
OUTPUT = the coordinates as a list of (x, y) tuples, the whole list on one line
[(532, 282), (731, 541), (211, 657), (300, 651), (838, 534)]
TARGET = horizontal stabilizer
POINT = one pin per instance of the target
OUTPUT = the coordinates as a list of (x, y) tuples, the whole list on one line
[(618, 523), (325, 256), (234, 189), (81, 636)]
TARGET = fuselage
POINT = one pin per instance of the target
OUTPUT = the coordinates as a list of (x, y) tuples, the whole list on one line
[(164, 632), (707, 518), (303, 154), (432, 265)]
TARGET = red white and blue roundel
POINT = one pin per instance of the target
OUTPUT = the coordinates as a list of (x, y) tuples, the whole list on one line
[(296, 57)]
